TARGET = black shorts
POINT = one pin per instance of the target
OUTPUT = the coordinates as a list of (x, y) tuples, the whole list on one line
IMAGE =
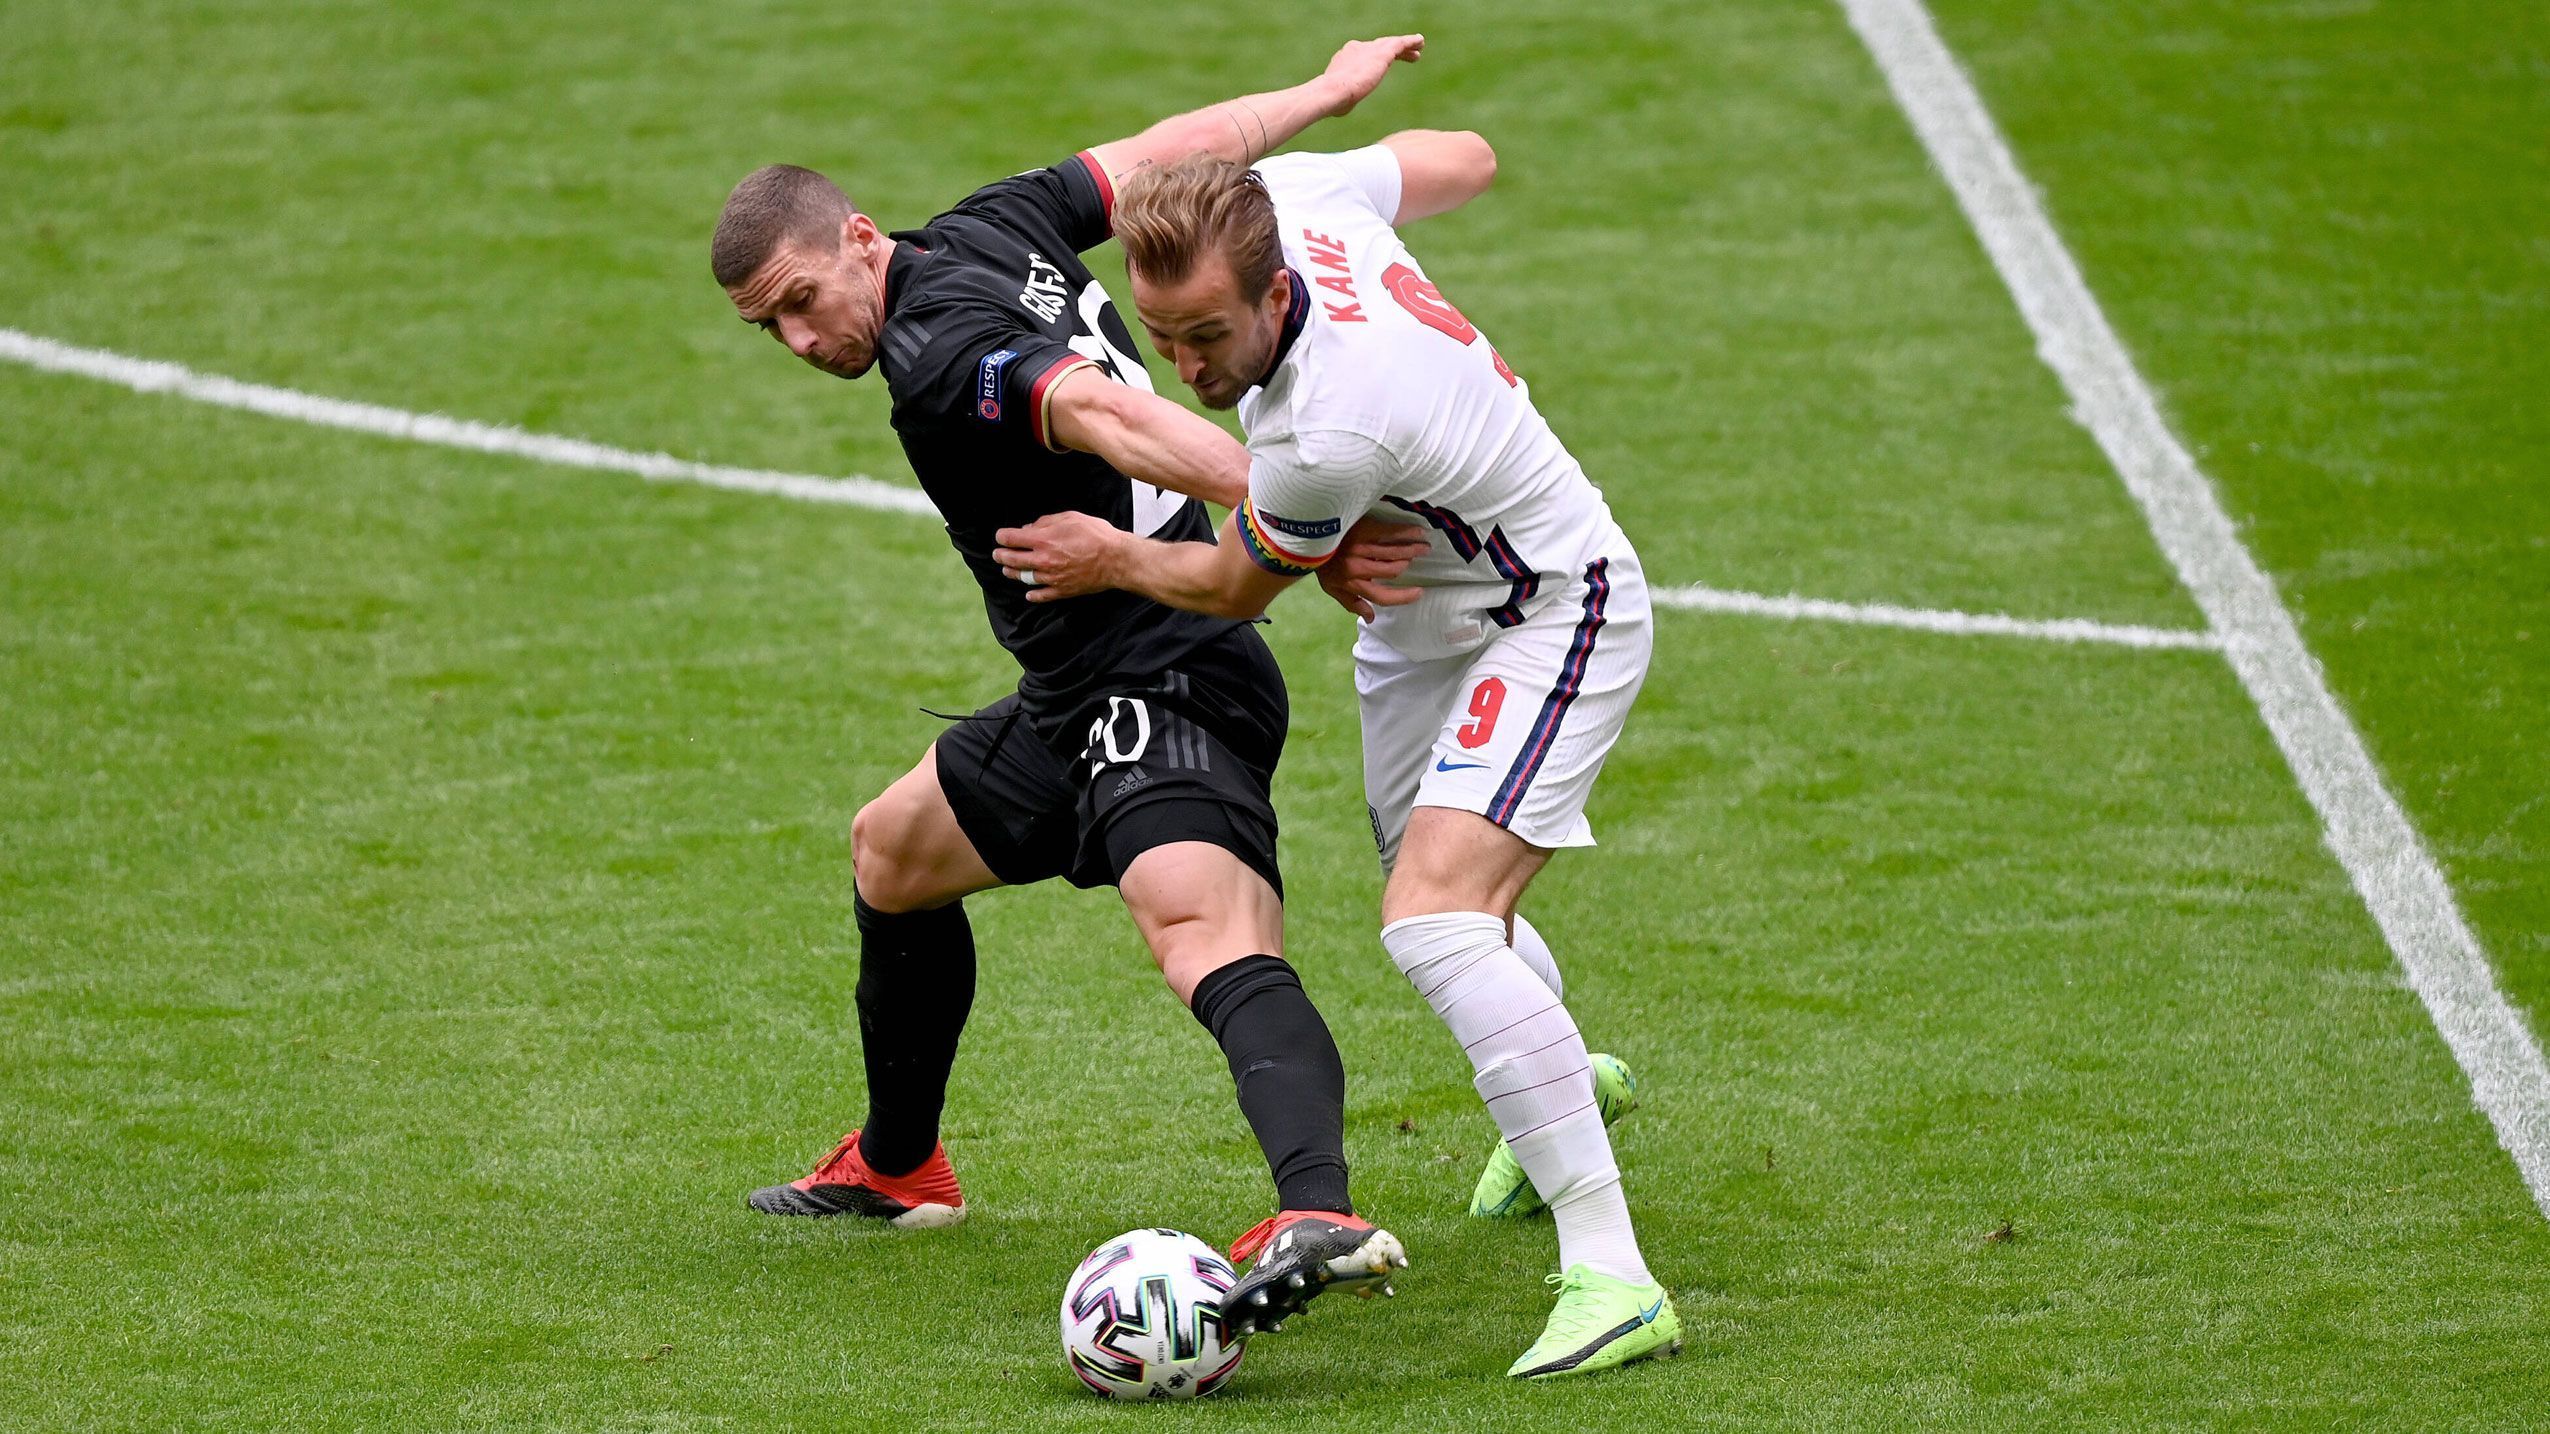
[(1079, 790)]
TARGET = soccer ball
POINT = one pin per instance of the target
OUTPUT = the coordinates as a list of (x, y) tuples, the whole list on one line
[(1142, 1317)]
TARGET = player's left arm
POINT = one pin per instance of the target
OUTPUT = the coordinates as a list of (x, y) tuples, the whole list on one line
[(1251, 127), (1439, 171)]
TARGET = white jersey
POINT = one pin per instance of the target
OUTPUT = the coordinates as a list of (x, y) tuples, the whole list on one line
[(1386, 401)]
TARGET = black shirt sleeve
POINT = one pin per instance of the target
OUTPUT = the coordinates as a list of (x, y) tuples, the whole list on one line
[(974, 371), (1074, 201)]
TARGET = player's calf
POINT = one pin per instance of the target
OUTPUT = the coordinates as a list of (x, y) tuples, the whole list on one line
[(1504, 1191)]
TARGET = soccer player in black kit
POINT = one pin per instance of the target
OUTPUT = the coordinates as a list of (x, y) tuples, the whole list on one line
[(1139, 748)]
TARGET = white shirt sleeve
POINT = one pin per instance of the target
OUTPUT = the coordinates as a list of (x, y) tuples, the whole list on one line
[(1369, 175), (1304, 492), (1373, 172)]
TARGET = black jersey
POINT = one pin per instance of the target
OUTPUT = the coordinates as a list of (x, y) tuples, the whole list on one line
[(986, 306)]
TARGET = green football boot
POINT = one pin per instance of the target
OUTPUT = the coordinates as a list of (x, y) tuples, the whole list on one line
[(1600, 1323), (1505, 1190)]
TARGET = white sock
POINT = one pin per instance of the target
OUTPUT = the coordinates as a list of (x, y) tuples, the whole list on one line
[(1594, 1229), (1535, 953), (1533, 1074), (1593, 1222)]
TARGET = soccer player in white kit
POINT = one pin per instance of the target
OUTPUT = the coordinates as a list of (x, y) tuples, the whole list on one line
[(1494, 677)]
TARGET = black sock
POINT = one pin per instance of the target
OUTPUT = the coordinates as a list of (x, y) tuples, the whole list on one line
[(916, 983), (1292, 1084)]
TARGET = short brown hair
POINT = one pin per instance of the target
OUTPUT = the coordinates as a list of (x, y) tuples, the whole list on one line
[(1171, 216), (777, 203)]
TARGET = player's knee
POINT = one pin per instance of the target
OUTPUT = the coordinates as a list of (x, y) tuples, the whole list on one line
[(1414, 890), (1197, 901), (1189, 945), (887, 879), (1175, 932), (1455, 861), (866, 830), (1423, 881), (1187, 970)]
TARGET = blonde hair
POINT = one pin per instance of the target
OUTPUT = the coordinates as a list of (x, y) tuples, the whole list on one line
[(1170, 216)]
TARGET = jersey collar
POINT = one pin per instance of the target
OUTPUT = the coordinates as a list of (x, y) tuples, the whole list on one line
[(907, 257), (1295, 317)]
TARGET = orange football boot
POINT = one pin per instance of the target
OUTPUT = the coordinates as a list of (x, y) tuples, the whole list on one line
[(842, 1184), (1301, 1253)]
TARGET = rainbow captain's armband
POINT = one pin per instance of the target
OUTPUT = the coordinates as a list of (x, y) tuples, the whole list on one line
[(1264, 538)]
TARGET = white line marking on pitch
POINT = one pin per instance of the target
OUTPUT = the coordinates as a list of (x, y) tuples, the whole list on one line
[(2371, 836), (2071, 629), (147, 376)]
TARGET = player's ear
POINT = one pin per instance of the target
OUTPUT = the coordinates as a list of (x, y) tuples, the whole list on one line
[(858, 231)]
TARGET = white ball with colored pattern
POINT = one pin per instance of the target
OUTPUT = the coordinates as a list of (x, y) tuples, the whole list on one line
[(1142, 1317)]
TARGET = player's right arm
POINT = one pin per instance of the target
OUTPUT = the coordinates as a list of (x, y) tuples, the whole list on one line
[(1262, 551), (1251, 127), (1066, 555)]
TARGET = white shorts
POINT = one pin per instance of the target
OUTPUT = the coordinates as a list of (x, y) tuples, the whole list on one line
[(1517, 728)]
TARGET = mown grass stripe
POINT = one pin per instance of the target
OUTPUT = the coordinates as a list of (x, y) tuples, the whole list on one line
[(153, 376), (2366, 828)]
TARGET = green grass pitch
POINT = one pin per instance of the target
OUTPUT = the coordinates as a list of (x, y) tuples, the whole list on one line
[(424, 896)]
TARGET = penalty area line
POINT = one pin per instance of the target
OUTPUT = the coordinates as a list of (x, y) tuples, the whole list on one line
[(2366, 829)]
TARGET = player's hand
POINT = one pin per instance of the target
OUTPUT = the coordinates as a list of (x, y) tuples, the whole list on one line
[(1358, 67), (1374, 551), (1059, 555)]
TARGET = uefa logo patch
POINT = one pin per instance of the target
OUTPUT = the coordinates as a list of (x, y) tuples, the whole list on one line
[(987, 388)]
